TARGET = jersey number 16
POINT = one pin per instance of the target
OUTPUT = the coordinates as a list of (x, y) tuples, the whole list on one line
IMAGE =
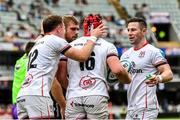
[(88, 64)]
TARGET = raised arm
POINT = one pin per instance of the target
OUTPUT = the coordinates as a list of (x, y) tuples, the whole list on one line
[(83, 54)]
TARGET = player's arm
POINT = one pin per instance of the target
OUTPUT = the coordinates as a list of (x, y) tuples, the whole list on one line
[(61, 73), (83, 54), (117, 69), (57, 94), (165, 75)]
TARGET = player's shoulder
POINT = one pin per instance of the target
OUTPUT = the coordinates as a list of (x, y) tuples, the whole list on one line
[(152, 48), (105, 43), (80, 40), (127, 50), (53, 38)]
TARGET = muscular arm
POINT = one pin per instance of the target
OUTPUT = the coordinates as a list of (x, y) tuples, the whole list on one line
[(80, 55), (117, 69), (165, 72)]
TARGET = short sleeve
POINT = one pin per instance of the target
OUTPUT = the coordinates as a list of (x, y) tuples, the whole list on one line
[(58, 44), (158, 58), (112, 51), (63, 57)]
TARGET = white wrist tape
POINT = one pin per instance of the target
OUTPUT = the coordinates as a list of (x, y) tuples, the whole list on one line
[(160, 79), (93, 38)]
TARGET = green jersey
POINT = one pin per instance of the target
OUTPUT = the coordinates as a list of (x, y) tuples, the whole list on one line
[(19, 75)]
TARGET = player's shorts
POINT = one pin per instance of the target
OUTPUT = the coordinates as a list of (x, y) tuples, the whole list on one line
[(35, 107), (142, 114), (92, 107)]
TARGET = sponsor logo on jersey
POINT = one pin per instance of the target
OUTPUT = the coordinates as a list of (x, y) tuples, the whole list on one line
[(133, 70), (84, 105), (87, 82), (42, 42), (81, 105), (82, 44), (18, 67), (79, 44), (136, 71)]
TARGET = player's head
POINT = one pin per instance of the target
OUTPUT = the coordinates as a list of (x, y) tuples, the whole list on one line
[(137, 28), (29, 46), (90, 20), (71, 27), (53, 24)]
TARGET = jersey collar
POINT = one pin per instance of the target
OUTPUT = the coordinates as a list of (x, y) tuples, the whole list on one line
[(145, 43)]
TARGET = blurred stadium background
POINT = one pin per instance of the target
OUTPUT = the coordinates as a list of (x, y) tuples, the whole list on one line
[(20, 22)]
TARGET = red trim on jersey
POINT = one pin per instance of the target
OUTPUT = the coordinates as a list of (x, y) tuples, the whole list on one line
[(143, 114), (146, 42), (146, 105), (40, 117), (146, 98), (48, 112), (42, 86)]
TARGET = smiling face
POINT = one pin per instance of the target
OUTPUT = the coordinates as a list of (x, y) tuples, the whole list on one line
[(136, 32)]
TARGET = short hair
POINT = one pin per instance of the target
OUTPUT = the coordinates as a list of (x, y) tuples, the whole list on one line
[(29, 46), (51, 22), (141, 21), (69, 18)]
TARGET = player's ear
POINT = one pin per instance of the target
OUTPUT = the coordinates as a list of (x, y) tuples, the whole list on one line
[(144, 30)]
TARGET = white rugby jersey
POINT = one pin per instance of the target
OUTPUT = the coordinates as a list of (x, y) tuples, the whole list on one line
[(42, 66), (144, 61), (89, 77)]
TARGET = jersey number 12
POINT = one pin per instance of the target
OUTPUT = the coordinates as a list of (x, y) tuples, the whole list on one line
[(32, 56)]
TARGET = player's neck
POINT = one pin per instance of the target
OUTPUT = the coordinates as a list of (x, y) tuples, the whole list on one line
[(54, 33), (141, 44)]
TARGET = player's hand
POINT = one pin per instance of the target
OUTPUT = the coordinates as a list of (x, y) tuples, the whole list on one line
[(100, 31), (151, 80)]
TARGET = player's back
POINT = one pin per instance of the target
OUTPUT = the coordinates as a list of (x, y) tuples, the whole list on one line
[(89, 77)]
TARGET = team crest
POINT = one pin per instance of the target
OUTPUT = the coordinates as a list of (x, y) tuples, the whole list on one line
[(141, 54), (27, 81)]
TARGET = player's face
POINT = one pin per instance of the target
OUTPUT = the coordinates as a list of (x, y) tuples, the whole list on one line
[(72, 31), (135, 33)]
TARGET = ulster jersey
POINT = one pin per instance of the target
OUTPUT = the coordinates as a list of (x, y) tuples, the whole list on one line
[(42, 65), (89, 77), (144, 61)]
